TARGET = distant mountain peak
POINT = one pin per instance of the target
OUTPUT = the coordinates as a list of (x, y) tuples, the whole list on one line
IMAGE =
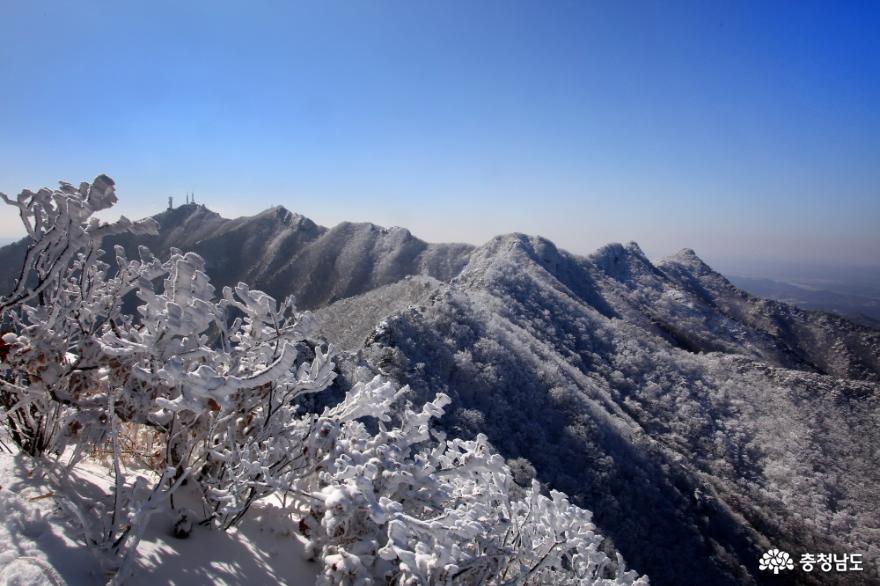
[(536, 247), (287, 217), (278, 210), (185, 213), (536, 243), (686, 257), (633, 246), (622, 262), (609, 252), (685, 254)]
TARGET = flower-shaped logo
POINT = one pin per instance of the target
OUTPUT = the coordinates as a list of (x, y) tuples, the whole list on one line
[(776, 560)]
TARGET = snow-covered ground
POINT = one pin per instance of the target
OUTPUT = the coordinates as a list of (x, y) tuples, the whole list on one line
[(40, 542)]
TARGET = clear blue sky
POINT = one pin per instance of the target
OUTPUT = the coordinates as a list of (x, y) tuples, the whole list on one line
[(740, 129)]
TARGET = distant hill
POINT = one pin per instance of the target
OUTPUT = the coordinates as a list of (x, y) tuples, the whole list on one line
[(859, 308)]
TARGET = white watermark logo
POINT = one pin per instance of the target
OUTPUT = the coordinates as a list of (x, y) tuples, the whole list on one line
[(776, 560)]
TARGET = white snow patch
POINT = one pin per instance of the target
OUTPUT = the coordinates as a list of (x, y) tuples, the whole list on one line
[(40, 544)]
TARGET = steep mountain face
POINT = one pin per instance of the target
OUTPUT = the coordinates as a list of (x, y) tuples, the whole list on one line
[(348, 322), (670, 418), (701, 425), (285, 253), (350, 259), (801, 339)]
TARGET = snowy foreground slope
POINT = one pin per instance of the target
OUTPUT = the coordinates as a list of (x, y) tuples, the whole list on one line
[(701, 425), (40, 543)]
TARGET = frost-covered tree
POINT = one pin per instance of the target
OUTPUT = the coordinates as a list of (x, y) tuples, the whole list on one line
[(408, 506), (216, 380)]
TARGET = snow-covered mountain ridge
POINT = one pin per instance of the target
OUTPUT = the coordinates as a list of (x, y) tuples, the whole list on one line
[(681, 298), (285, 253), (700, 424)]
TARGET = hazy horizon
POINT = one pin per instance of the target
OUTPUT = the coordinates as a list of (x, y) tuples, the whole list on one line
[(747, 132)]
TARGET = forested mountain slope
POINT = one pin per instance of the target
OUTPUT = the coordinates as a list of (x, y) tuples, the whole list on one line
[(694, 461)]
